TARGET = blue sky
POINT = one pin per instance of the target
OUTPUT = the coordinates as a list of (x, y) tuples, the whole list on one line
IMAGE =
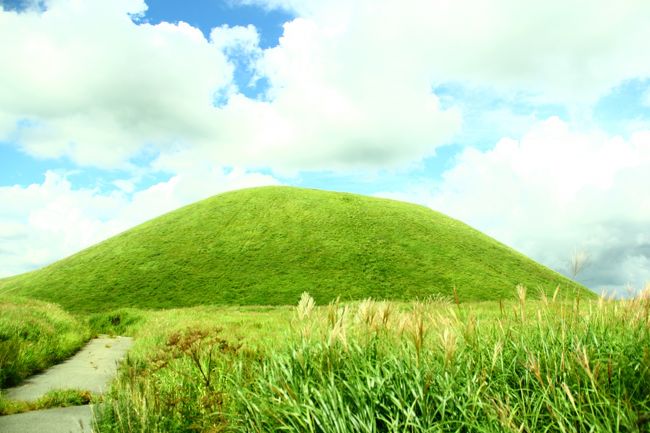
[(207, 14), (536, 134)]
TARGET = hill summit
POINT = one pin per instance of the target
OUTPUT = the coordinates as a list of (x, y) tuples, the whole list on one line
[(267, 245)]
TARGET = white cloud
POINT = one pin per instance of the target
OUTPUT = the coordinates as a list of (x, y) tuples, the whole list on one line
[(7, 121), (51, 220), (242, 38), (102, 97), (563, 51), (355, 103), (97, 87), (350, 81), (555, 190)]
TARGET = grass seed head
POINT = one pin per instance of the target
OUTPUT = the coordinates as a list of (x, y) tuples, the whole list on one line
[(338, 332), (543, 297), (332, 312), (496, 353), (418, 328), (366, 312), (305, 306), (556, 293), (521, 293), (403, 323), (533, 365), (384, 313), (567, 391), (448, 343), (643, 296), (602, 299), (469, 331)]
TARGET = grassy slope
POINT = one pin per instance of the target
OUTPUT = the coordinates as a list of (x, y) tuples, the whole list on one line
[(267, 245)]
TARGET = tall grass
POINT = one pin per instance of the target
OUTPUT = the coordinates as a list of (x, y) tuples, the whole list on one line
[(521, 366), (35, 335)]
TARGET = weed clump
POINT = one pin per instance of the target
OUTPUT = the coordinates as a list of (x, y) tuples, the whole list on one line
[(181, 387)]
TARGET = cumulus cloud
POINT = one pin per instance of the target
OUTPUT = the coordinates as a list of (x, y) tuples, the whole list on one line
[(350, 82), (557, 50), (556, 190), (51, 220), (101, 98), (82, 80)]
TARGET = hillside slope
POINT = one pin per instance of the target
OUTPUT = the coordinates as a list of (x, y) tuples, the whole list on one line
[(267, 245)]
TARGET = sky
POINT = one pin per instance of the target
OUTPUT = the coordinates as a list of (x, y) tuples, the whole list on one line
[(529, 121)]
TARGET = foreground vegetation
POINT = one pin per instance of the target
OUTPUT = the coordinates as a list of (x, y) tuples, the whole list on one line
[(437, 365), (434, 366), (35, 335), (265, 246)]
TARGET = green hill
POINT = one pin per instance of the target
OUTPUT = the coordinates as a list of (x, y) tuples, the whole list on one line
[(268, 245)]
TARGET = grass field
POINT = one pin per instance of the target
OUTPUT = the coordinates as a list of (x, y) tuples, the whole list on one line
[(523, 365), (431, 366), (265, 246)]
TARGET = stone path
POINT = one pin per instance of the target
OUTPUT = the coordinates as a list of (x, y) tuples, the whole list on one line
[(92, 369)]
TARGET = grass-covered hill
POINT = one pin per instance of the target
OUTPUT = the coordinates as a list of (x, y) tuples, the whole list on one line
[(268, 245)]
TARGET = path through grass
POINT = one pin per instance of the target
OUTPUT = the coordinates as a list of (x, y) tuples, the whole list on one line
[(34, 335)]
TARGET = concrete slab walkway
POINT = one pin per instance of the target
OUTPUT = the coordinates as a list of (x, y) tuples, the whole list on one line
[(76, 419), (92, 369)]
